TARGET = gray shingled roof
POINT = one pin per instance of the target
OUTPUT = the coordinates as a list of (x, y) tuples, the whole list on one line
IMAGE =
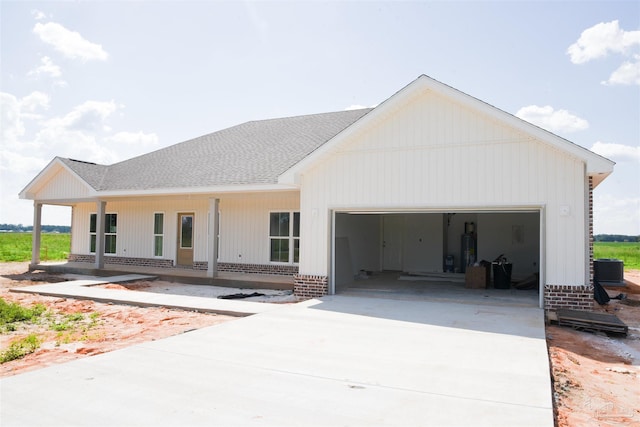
[(255, 152)]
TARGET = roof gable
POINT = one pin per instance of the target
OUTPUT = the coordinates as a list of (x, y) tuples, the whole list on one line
[(63, 179), (596, 165)]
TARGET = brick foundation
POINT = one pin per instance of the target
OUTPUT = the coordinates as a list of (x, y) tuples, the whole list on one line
[(310, 286), (113, 260), (274, 269), (567, 296), (277, 269), (591, 271)]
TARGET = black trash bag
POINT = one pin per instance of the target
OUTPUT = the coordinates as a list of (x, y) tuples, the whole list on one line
[(241, 295), (600, 294)]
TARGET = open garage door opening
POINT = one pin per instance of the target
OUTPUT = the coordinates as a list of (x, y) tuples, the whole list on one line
[(460, 255)]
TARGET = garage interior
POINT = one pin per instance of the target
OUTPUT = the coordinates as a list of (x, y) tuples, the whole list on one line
[(461, 255)]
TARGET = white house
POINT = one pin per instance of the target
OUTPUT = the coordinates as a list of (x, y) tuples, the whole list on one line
[(321, 197)]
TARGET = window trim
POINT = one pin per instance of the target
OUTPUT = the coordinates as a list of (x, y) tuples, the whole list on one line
[(290, 237), (156, 235), (93, 234), (193, 230)]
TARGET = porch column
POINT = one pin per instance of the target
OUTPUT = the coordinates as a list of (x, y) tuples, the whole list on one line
[(212, 241), (36, 234), (100, 209)]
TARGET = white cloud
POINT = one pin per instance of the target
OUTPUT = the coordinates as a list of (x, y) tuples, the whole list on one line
[(605, 38), (552, 120), (14, 162), (13, 111), (34, 101), (617, 152), (10, 119), (46, 67), (82, 133), (70, 43), (89, 115), (627, 74), (601, 39), (38, 15)]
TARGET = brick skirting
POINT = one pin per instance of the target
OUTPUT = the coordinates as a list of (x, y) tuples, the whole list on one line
[(281, 270), (567, 296), (310, 286), (276, 269), (114, 260)]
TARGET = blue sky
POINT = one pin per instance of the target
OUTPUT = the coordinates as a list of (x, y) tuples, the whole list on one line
[(105, 81)]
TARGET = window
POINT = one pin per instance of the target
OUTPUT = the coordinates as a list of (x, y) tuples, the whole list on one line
[(158, 234), (186, 232), (284, 236), (110, 232)]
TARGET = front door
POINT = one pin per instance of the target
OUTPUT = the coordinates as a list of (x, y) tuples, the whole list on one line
[(392, 242), (185, 239)]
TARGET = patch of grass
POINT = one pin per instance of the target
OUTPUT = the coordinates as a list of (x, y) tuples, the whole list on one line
[(94, 318), (10, 313), (70, 327), (69, 321), (628, 252), (20, 348), (17, 246)]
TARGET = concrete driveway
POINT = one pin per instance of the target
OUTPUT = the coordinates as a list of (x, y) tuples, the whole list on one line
[(340, 360)]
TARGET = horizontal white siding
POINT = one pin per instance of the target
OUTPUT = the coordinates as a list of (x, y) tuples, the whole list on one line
[(436, 154), (244, 225)]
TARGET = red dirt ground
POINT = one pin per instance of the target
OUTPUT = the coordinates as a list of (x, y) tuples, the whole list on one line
[(118, 326), (596, 378)]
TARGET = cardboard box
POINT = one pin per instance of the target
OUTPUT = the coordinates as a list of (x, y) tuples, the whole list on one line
[(476, 277)]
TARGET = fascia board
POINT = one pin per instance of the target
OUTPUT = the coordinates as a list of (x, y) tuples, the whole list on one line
[(48, 172)]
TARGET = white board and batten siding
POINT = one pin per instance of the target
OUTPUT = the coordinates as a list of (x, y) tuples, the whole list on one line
[(242, 218), (436, 154), (62, 186)]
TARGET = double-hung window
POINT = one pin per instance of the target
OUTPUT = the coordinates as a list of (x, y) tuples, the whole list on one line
[(110, 232), (158, 234), (284, 236)]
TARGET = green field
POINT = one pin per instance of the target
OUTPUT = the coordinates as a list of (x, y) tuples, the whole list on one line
[(629, 252), (17, 246)]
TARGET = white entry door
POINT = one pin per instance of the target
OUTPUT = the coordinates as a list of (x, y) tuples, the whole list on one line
[(392, 226), (185, 239)]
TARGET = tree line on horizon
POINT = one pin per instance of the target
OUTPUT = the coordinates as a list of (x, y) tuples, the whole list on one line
[(19, 228), (615, 238)]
